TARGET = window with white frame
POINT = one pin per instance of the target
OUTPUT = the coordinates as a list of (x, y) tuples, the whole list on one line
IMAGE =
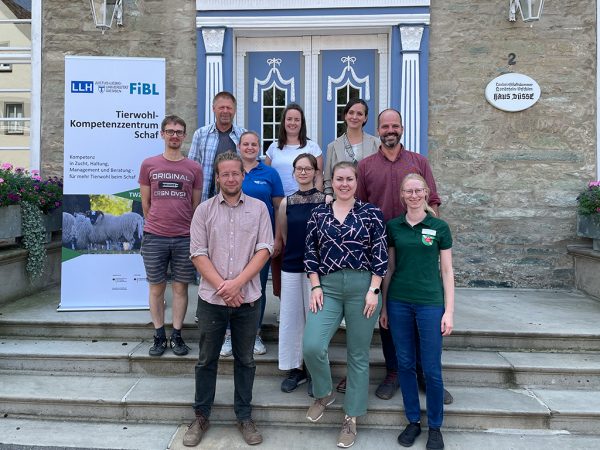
[(14, 111), (273, 104), (343, 95)]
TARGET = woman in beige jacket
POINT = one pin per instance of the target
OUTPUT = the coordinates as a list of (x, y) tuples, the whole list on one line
[(353, 145)]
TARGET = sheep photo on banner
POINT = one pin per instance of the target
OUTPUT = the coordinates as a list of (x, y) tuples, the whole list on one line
[(113, 110)]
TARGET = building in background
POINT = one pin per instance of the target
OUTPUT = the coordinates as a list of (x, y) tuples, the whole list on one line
[(508, 181), (19, 116)]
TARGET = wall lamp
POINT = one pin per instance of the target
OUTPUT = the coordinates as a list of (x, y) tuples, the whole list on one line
[(105, 11), (530, 10)]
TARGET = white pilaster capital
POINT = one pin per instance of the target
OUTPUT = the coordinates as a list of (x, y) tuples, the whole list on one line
[(213, 40), (411, 38)]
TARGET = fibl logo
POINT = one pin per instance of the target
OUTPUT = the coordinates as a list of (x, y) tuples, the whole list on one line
[(142, 89), (82, 87)]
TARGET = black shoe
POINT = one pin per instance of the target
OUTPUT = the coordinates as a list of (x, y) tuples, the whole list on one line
[(159, 347), (410, 433), (295, 378), (388, 386), (178, 346), (435, 440), (448, 399)]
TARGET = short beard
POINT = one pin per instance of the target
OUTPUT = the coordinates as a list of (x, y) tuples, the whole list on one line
[(396, 142)]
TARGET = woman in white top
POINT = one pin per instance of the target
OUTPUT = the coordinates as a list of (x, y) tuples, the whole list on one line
[(353, 145), (291, 142)]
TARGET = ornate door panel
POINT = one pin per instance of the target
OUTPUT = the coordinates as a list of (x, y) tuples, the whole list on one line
[(273, 82), (321, 73), (346, 74)]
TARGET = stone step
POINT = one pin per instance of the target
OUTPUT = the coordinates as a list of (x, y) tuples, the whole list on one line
[(469, 368), (485, 319), (143, 399), (42, 434), (30, 434)]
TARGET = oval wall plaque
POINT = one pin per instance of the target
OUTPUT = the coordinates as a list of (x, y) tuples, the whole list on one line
[(512, 92)]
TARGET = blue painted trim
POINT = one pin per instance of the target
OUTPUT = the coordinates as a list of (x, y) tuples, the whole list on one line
[(424, 83), (314, 12), (200, 77), (395, 69), (228, 71)]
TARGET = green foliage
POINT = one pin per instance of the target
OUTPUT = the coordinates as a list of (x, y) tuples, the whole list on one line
[(110, 204), (588, 202), (34, 235)]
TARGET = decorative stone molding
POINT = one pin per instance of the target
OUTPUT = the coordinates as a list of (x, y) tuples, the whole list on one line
[(213, 40), (252, 5), (213, 43), (411, 38), (286, 22)]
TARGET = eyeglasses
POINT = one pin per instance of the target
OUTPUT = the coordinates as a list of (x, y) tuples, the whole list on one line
[(413, 191), (178, 133), (304, 169)]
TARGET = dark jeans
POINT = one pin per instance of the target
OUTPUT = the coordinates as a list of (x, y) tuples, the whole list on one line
[(212, 323), (402, 318), (264, 277)]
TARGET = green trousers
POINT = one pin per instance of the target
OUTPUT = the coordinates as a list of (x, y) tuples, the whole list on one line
[(343, 297)]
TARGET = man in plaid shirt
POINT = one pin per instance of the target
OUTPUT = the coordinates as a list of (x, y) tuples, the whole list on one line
[(212, 140)]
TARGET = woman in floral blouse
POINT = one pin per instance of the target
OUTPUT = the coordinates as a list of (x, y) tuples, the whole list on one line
[(346, 259)]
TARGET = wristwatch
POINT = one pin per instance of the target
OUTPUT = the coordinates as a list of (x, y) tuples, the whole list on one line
[(375, 290)]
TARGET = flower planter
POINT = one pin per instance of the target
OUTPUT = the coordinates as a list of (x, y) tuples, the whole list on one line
[(10, 224), (589, 226)]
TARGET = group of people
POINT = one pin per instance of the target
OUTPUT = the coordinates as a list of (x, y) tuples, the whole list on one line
[(354, 240)]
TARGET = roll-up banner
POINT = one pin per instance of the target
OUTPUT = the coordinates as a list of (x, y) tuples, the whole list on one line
[(113, 110)]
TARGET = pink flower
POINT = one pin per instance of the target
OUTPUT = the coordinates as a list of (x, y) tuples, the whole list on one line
[(594, 183), (1, 180), (6, 166), (35, 172), (37, 178)]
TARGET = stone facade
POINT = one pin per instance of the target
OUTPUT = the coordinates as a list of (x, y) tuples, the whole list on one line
[(508, 180), (151, 29)]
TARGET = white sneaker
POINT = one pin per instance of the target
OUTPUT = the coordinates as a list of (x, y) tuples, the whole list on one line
[(259, 347), (226, 348)]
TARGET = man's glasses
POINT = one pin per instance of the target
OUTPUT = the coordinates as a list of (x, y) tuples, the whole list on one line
[(178, 133), (304, 169), (413, 191)]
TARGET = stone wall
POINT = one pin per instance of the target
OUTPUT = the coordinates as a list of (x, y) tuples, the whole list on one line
[(509, 180), (152, 28)]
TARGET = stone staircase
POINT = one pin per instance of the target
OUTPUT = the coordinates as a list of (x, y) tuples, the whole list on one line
[(523, 366)]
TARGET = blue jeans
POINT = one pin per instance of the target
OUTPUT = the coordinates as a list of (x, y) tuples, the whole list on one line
[(212, 323), (403, 317)]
